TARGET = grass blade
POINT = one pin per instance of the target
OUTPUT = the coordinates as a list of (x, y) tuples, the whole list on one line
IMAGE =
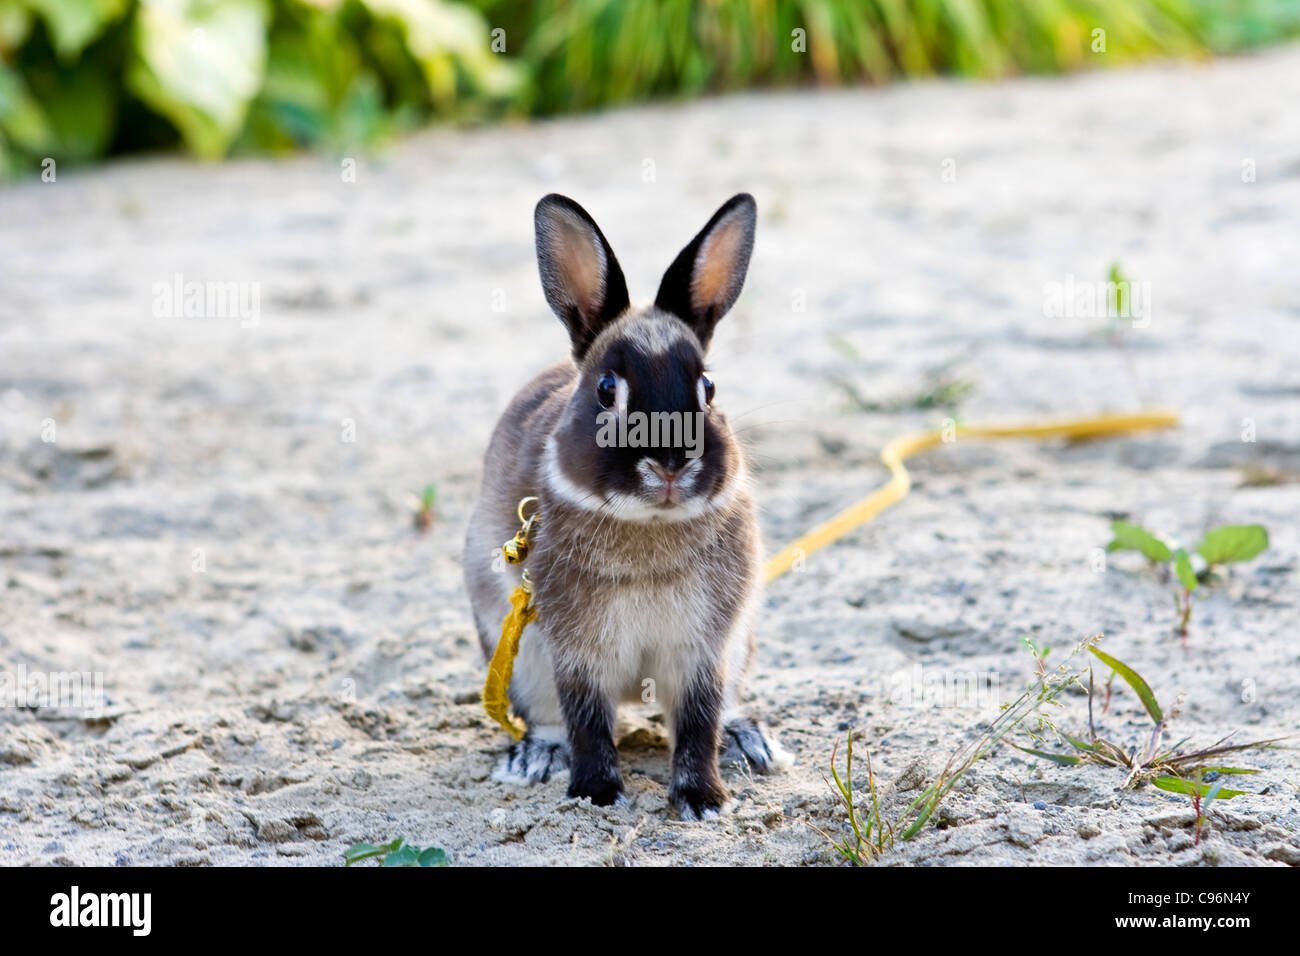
[(1192, 788), (1134, 680)]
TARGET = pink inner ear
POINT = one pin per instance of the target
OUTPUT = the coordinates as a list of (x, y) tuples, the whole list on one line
[(715, 265), (581, 262)]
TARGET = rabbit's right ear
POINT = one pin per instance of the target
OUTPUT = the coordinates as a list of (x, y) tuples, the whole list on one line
[(580, 276)]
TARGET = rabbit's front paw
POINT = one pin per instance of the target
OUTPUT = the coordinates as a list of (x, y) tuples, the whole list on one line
[(542, 752), (604, 787)]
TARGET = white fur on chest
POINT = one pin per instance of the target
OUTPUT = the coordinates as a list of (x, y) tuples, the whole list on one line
[(649, 639)]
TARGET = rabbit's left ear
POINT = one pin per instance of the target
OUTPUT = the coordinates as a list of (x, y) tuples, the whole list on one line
[(706, 277)]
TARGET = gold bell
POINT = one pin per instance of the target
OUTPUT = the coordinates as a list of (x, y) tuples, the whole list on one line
[(516, 549)]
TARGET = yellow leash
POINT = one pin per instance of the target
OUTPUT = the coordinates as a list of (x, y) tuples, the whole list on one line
[(497, 702), (495, 699)]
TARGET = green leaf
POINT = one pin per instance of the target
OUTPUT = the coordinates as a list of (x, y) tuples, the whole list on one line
[(1118, 290), (1183, 568), (1215, 792), (451, 43), (1134, 680), (1191, 788), (1067, 759), (1130, 537), (364, 851), (199, 65), (15, 27), (360, 851), (433, 856), (22, 121), (1233, 543), (74, 24), (406, 856), (81, 106)]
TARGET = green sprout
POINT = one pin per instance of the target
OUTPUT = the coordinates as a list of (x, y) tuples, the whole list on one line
[(1170, 768), (872, 835), (396, 853), (423, 507), (1229, 544), (1038, 651)]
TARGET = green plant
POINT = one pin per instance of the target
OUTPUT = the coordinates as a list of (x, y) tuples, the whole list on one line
[(872, 835), (1202, 796), (1169, 768), (1229, 544), (396, 853), (1042, 692), (79, 78), (941, 387), (422, 507)]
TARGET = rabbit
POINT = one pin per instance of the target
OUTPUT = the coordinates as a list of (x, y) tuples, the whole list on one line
[(645, 565)]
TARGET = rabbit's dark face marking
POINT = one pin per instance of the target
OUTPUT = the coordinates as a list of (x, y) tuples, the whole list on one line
[(660, 451)]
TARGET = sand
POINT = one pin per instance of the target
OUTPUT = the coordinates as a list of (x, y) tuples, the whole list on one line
[(219, 526)]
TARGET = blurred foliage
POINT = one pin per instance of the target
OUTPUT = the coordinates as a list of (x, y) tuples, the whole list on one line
[(82, 78)]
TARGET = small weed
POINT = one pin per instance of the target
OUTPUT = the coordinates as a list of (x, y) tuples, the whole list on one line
[(1202, 796), (423, 508), (1169, 768), (396, 853), (1226, 545), (1039, 652), (941, 387), (872, 835), (1117, 304)]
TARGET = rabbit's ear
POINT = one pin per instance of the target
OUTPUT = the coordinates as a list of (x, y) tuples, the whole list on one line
[(580, 276), (706, 277)]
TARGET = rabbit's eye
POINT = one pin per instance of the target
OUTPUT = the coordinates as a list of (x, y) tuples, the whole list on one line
[(606, 386), (706, 391)]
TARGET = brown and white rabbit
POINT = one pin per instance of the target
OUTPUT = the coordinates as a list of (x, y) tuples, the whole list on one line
[(645, 566)]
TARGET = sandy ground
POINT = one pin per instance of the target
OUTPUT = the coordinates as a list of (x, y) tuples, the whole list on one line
[(289, 667)]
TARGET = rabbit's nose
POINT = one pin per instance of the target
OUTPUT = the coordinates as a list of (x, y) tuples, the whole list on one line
[(667, 473)]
